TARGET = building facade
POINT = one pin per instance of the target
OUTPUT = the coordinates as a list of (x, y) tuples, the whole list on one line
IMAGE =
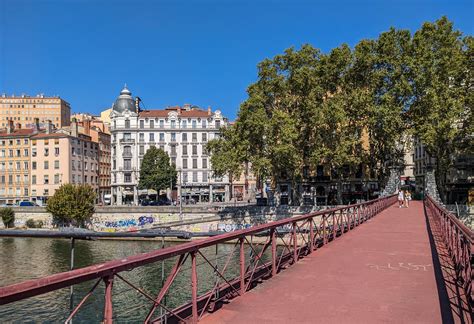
[(182, 132), (60, 157), (15, 163), (24, 109)]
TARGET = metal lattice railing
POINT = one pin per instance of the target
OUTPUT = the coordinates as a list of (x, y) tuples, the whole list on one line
[(459, 241), (260, 252)]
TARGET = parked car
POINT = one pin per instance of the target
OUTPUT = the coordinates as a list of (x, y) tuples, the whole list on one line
[(8, 205), (26, 204)]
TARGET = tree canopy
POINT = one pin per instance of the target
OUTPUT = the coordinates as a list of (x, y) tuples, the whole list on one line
[(156, 171), (354, 106), (72, 204)]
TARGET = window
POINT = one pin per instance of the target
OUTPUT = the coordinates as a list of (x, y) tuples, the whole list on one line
[(56, 178), (185, 177), (162, 137), (56, 151), (3, 153), (152, 137), (127, 123), (195, 176), (25, 152), (204, 176), (173, 149), (56, 164), (127, 136), (10, 153), (46, 151), (46, 165), (46, 192), (25, 178), (17, 178), (152, 124), (173, 137), (173, 124), (204, 163), (114, 164), (18, 153), (185, 150), (56, 141), (18, 142), (141, 137), (142, 124), (173, 161), (185, 163), (127, 151), (204, 137), (162, 123), (184, 124), (194, 123), (195, 150), (46, 179), (128, 177), (25, 141), (25, 191), (184, 137), (10, 178), (33, 165), (127, 164), (218, 124), (85, 179), (195, 137), (141, 150), (33, 142), (85, 166), (18, 167), (204, 123), (195, 163)]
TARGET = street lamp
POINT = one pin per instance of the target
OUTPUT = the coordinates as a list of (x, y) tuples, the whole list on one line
[(180, 196)]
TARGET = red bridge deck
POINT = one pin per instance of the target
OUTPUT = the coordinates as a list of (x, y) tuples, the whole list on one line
[(381, 273)]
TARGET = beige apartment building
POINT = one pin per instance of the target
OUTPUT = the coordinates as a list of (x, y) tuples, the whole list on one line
[(15, 163), (24, 109), (64, 156)]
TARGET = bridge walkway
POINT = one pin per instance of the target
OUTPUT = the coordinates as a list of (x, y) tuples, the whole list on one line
[(385, 271)]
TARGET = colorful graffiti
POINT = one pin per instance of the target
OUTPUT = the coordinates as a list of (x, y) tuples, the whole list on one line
[(232, 227), (144, 220)]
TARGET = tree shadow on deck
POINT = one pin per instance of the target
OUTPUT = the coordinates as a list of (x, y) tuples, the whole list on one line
[(452, 299)]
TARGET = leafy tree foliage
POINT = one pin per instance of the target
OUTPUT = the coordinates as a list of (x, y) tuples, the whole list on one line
[(8, 216), (72, 204), (353, 107), (156, 171)]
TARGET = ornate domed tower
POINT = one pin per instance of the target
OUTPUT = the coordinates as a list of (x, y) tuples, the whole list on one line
[(124, 101)]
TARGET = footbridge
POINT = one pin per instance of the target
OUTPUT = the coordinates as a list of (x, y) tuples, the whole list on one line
[(365, 263)]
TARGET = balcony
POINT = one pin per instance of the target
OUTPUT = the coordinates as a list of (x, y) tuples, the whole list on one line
[(127, 141)]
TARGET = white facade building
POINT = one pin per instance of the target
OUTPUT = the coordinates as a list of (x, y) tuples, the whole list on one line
[(182, 132)]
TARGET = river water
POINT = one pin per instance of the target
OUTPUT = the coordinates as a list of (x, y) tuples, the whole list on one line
[(28, 258)]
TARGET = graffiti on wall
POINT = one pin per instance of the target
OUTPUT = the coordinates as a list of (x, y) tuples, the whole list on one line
[(228, 227)]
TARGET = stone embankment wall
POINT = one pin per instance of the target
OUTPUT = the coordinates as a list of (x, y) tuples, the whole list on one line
[(193, 219)]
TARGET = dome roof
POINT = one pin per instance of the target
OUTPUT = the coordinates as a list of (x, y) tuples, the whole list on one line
[(124, 101)]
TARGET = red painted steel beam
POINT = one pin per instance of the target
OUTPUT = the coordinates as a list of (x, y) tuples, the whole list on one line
[(36, 287)]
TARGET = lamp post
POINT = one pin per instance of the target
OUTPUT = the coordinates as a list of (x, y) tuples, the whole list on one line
[(180, 196)]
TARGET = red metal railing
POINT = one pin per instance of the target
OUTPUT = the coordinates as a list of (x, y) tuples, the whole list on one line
[(459, 241), (295, 237)]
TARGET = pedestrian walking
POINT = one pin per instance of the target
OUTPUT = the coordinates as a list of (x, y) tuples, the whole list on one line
[(407, 198), (401, 198)]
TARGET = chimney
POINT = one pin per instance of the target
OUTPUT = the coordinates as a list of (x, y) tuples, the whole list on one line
[(137, 104), (49, 127), (87, 126), (11, 127), (209, 112), (74, 131)]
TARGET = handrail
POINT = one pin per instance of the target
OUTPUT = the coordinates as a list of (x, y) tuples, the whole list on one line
[(334, 223), (459, 240)]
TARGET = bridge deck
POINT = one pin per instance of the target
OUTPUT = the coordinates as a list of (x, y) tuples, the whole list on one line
[(382, 272)]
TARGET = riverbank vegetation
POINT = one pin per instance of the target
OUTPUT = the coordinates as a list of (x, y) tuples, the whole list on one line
[(72, 205), (8, 216), (355, 106)]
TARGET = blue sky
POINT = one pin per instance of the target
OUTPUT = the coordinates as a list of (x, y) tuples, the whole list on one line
[(175, 52)]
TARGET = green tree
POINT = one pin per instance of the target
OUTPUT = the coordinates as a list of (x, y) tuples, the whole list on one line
[(441, 111), (72, 204), (156, 171), (8, 216)]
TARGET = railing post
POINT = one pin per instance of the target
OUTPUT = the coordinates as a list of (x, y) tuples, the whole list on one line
[(333, 226), (311, 236), (242, 266), (194, 284), (109, 281), (325, 240), (295, 244), (274, 252)]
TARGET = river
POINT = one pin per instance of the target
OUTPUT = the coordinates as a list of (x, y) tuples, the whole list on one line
[(28, 258)]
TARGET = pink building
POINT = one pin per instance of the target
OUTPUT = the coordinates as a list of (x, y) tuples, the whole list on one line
[(63, 156)]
